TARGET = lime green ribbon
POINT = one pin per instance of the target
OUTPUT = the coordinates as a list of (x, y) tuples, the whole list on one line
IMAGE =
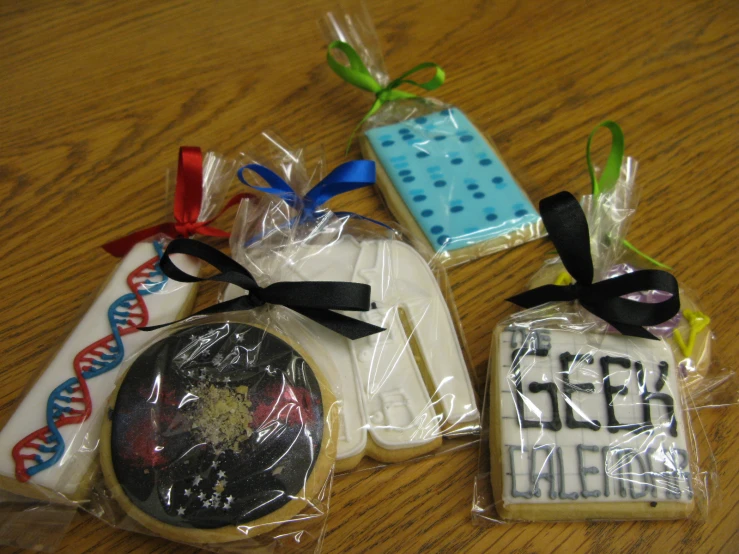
[(357, 74), (611, 173)]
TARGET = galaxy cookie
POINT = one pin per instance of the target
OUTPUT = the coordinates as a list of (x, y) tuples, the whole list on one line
[(448, 186), (218, 432), (586, 426)]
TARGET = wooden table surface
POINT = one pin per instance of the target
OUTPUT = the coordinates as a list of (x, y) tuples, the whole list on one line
[(97, 96)]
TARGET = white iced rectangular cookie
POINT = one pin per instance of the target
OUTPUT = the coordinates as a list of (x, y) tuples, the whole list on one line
[(52, 436), (587, 426), (388, 412)]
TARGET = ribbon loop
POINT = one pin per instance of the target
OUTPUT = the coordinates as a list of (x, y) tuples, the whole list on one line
[(562, 214), (358, 75), (566, 224), (611, 174), (313, 299), (188, 198), (612, 170)]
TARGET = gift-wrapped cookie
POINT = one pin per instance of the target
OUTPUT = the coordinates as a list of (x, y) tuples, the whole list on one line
[(586, 426), (225, 427), (220, 427), (49, 444), (402, 391), (439, 175), (587, 411)]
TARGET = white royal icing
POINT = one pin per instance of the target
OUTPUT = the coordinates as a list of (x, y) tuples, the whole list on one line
[(81, 440), (381, 385), (579, 463)]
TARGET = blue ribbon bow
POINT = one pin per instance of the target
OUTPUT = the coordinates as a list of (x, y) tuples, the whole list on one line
[(347, 177)]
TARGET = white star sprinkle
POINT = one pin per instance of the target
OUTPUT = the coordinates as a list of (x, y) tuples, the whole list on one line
[(214, 464), (193, 337), (187, 492), (202, 377), (227, 380), (223, 483), (217, 359), (226, 506), (190, 373), (206, 504), (180, 511), (197, 480), (239, 338), (221, 474), (201, 496), (230, 499), (217, 495)]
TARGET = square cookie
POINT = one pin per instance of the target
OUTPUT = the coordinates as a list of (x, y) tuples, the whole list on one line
[(586, 426)]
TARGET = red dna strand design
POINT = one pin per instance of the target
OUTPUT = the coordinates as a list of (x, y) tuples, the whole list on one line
[(70, 403)]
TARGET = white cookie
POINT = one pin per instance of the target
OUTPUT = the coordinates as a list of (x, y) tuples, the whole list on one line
[(59, 457), (399, 396)]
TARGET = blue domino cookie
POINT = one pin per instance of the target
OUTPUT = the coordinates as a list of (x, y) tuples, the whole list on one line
[(452, 181)]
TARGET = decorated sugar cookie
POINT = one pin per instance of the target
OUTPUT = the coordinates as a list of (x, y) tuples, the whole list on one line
[(444, 181), (50, 439), (49, 444), (586, 409), (442, 178), (401, 390), (218, 432), (586, 426)]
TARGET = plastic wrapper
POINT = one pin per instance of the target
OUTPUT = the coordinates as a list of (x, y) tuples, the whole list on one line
[(689, 333), (441, 177), (50, 442), (222, 434), (585, 423), (404, 393)]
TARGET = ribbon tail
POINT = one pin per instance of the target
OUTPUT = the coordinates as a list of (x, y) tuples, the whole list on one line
[(235, 304), (364, 218), (370, 113), (346, 326), (542, 295), (122, 246), (638, 252)]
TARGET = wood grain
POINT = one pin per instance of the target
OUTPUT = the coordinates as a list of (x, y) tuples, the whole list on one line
[(97, 96)]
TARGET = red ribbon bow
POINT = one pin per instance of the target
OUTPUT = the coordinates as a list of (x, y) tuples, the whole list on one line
[(187, 199)]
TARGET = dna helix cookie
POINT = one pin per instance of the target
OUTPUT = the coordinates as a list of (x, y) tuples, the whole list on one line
[(401, 390), (49, 443)]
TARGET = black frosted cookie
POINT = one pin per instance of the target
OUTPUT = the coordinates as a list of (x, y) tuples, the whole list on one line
[(217, 426)]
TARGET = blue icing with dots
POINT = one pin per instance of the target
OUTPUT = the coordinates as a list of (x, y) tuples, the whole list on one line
[(452, 181)]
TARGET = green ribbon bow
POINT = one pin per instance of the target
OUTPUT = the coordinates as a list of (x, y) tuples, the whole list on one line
[(611, 172), (358, 75)]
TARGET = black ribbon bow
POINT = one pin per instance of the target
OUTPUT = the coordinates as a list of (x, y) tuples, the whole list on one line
[(567, 227), (313, 299)]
